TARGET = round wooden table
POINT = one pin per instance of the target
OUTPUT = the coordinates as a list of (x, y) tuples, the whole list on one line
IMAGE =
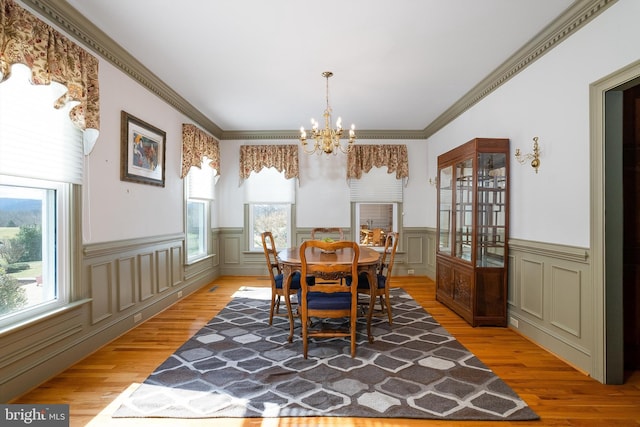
[(367, 262)]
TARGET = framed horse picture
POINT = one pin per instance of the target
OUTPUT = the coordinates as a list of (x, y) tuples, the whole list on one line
[(142, 152)]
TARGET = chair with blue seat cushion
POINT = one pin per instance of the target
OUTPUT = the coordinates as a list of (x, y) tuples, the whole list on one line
[(276, 276), (383, 276), (331, 299)]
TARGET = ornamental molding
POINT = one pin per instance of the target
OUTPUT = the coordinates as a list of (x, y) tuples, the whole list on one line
[(62, 14), (575, 17)]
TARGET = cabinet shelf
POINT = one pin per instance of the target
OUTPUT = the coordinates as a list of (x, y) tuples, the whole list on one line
[(473, 215)]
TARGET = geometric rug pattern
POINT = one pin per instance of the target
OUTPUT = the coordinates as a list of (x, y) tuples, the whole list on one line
[(239, 366)]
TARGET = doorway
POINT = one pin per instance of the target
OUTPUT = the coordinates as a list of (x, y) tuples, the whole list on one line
[(615, 223), (631, 226)]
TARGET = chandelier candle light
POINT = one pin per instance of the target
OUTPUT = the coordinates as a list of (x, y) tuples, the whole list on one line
[(327, 140)]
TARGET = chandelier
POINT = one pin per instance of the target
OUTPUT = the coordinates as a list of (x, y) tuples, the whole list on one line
[(327, 140)]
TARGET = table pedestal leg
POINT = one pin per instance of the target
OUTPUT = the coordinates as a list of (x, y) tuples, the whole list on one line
[(287, 272), (373, 284)]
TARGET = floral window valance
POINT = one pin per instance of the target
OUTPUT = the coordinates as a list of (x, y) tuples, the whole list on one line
[(281, 157), (196, 144), (52, 57), (362, 158)]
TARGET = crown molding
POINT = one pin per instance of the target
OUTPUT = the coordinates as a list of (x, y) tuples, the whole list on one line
[(294, 134), (575, 17), (66, 17), (70, 20), (390, 134), (260, 134)]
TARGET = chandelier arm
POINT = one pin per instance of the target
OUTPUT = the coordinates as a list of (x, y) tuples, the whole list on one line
[(304, 148), (345, 150)]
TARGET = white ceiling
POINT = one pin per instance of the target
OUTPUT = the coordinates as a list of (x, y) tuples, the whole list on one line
[(252, 65)]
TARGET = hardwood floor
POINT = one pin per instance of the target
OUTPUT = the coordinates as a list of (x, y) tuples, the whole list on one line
[(560, 394)]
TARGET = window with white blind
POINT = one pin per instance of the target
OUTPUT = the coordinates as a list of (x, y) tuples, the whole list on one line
[(41, 158), (200, 193), (376, 202), (270, 198)]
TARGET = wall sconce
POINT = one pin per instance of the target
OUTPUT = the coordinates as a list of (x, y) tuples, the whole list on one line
[(534, 157)]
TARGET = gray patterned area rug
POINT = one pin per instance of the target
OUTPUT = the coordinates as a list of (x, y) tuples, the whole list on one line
[(239, 366)]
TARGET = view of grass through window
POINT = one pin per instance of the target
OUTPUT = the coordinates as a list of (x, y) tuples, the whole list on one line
[(20, 250)]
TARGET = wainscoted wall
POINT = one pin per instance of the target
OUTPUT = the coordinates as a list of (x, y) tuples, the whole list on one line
[(122, 283), (416, 251), (551, 298), (126, 278), (125, 282)]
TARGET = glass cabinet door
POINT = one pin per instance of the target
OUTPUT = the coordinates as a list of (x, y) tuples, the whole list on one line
[(444, 210), (464, 209), (492, 188)]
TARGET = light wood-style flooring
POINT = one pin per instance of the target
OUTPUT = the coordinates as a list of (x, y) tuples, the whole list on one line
[(560, 394)]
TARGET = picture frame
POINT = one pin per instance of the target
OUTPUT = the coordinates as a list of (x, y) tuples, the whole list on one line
[(142, 151)]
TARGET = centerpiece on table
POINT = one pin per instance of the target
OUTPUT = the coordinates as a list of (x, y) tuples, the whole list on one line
[(328, 240)]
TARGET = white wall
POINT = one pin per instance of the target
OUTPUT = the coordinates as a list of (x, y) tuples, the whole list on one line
[(115, 209), (322, 196), (550, 99), (229, 195), (420, 196)]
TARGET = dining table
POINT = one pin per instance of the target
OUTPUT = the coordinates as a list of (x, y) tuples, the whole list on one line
[(368, 261)]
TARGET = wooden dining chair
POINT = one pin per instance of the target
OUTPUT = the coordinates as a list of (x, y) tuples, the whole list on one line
[(377, 236), (328, 300), (383, 274), (276, 276), (320, 233)]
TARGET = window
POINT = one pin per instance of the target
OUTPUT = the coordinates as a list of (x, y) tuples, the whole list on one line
[(200, 190), (269, 196), (36, 200), (32, 225), (197, 225), (376, 220), (274, 217), (377, 200)]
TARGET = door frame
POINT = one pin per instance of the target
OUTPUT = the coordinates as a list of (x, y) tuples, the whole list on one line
[(608, 341)]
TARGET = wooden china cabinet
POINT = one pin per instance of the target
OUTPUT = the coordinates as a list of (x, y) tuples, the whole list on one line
[(473, 228)]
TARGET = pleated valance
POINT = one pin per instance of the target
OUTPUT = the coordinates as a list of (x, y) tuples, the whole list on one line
[(362, 158), (284, 158), (52, 57), (196, 145)]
